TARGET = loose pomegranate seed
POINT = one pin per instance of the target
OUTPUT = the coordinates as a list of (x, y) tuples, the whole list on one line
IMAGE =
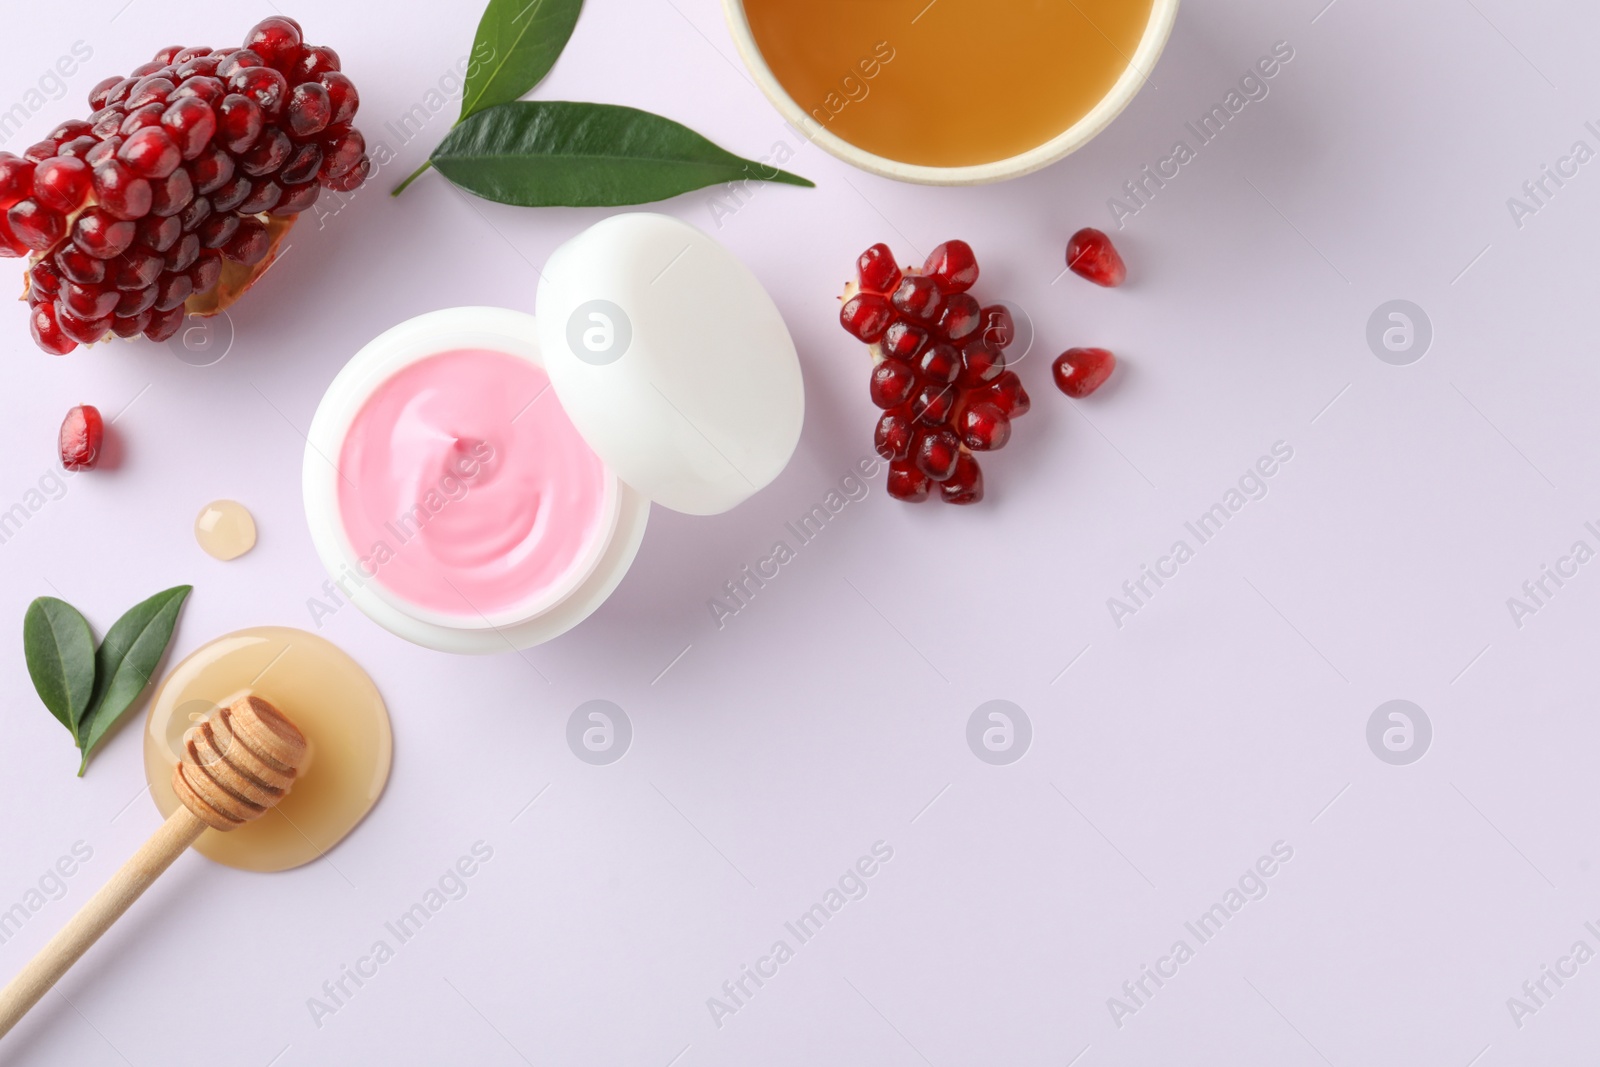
[(940, 364), (163, 324), (121, 192), (965, 485), (88, 301), (1091, 255), (918, 296), (269, 153), (135, 302), (191, 123), (250, 244), (16, 178), (953, 266), (980, 364), (903, 341), (82, 433), (277, 41), (1007, 393), (206, 272), (934, 405), (79, 267), (61, 184), (960, 317), (314, 62), (36, 226), (47, 332), (172, 194), (893, 436), (151, 152), (309, 109), (984, 427), (908, 483), (239, 122), (263, 85), (877, 270), (999, 329), (342, 94), (297, 198), (892, 383), (866, 316), (159, 234), (83, 331), (936, 453), (1080, 371), (100, 234)]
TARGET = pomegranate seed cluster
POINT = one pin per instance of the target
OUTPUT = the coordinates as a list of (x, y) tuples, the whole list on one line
[(173, 180), (939, 370)]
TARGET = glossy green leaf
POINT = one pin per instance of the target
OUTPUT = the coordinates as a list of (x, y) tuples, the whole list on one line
[(59, 648), (518, 42), (127, 659), (558, 153)]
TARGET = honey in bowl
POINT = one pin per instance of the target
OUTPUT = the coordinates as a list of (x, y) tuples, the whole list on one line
[(950, 83), (327, 696)]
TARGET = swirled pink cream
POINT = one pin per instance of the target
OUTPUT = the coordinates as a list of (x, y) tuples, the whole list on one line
[(465, 489)]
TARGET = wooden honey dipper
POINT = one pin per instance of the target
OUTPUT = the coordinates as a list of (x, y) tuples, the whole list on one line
[(236, 763)]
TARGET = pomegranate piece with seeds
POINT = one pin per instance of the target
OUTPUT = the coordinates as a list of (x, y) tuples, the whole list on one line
[(1091, 255), (938, 369), (82, 433), (183, 182), (1080, 371)]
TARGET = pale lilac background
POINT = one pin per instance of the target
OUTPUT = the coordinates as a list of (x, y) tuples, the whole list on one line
[(1224, 717)]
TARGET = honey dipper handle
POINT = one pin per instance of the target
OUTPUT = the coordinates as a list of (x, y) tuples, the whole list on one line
[(96, 917)]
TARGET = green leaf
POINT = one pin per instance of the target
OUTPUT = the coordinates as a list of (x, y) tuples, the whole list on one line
[(517, 44), (59, 648), (125, 662), (558, 153)]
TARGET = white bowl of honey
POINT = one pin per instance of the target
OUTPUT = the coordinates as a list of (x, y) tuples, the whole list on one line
[(950, 92)]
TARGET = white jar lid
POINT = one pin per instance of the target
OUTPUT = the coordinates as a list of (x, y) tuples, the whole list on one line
[(671, 360)]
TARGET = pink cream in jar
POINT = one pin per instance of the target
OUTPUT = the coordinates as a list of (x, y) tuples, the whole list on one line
[(466, 491)]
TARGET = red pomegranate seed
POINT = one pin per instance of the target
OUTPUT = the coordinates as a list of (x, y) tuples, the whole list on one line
[(10, 246), (191, 123), (917, 296), (877, 270), (250, 244), (965, 484), (183, 254), (16, 178), (940, 364), (276, 40), (211, 171), (190, 218), (953, 266), (308, 110), (263, 85), (960, 317), (215, 231), (231, 194), (269, 153), (103, 151), (144, 70), (142, 118), (159, 234), (264, 197), (892, 383), (301, 166), (88, 301), (908, 483), (865, 317), (934, 405), (151, 153), (100, 234), (83, 331), (35, 226), (340, 153), (153, 89), (173, 290), (44, 279), (903, 341), (350, 179), (342, 93), (47, 332), (298, 198), (40, 152), (206, 272), (1007, 393), (999, 329), (893, 436), (314, 62), (76, 266), (980, 364), (1091, 255), (135, 302), (121, 192), (936, 453), (1080, 371), (82, 433), (172, 194), (135, 269), (205, 89), (984, 427), (102, 90), (163, 324), (239, 122), (235, 60), (61, 184), (131, 326), (183, 55)]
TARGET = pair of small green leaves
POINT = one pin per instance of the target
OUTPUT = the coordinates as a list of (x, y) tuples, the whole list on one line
[(562, 153), (89, 689)]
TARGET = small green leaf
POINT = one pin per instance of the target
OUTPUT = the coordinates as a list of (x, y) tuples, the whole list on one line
[(125, 662), (518, 42), (59, 648), (558, 153)]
